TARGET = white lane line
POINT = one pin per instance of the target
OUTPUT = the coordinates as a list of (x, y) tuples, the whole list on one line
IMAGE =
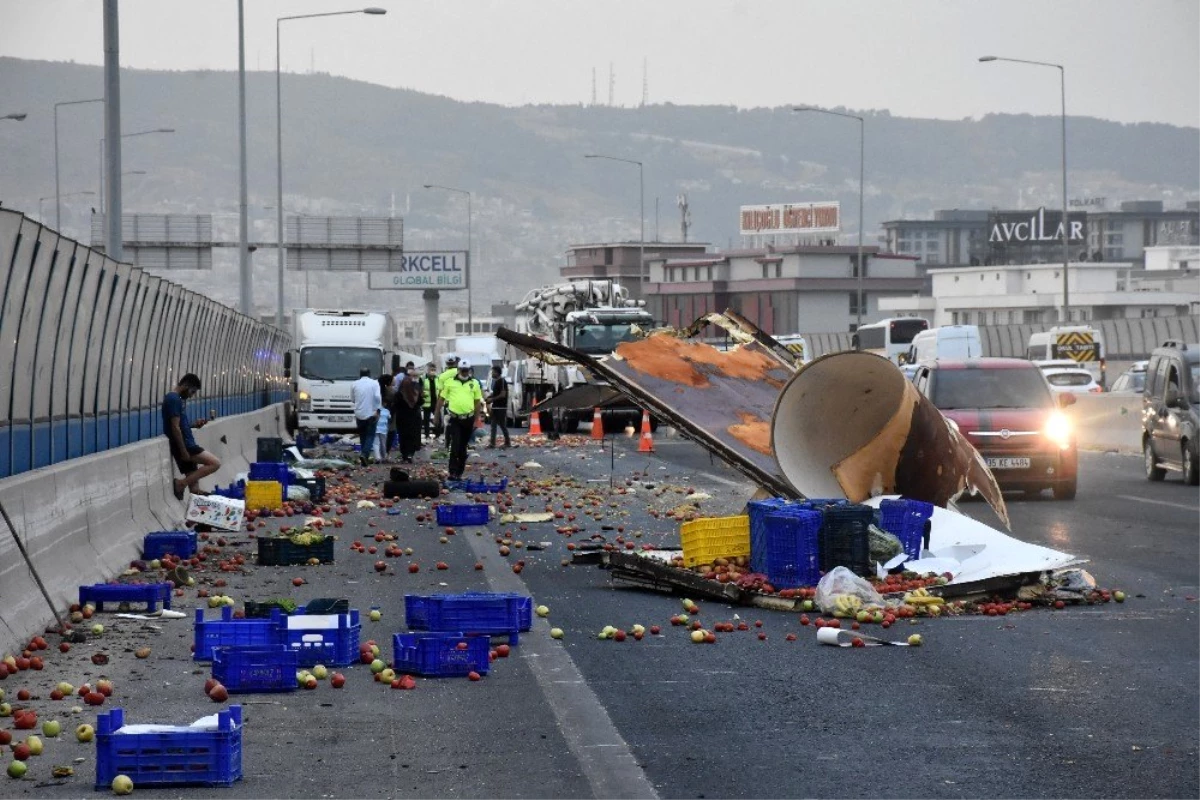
[(1158, 502), (603, 755)]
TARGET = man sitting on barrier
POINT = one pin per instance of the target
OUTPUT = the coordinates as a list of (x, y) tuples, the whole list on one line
[(193, 460)]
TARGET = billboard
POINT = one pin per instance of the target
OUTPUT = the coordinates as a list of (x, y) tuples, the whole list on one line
[(344, 244), (1034, 227), (436, 269), (791, 218)]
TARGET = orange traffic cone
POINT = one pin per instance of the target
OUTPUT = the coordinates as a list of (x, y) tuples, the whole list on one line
[(478, 422), (597, 426), (646, 443), (535, 423)]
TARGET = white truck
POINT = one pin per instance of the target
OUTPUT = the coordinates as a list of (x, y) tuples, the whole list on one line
[(591, 316), (330, 347)]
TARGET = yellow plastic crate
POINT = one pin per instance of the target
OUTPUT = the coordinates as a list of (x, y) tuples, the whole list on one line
[(264, 494), (714, 537)]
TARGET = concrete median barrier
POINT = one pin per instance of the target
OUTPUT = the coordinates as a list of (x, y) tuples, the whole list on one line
[(1108, 422), (82, 520)]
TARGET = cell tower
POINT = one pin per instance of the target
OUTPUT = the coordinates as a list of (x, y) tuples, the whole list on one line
[(645, 85), (685, 216), (612, 83)]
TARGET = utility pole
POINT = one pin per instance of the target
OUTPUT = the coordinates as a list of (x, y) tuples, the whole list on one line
[(113, 239)]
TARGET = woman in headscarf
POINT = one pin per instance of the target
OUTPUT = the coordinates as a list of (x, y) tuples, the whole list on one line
[(406, 411)]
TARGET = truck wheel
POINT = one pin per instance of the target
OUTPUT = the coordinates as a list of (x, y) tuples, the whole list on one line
[(1153, 471), (1191, 464)]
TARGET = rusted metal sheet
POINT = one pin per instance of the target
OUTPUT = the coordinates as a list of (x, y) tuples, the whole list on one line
[(721, 400)]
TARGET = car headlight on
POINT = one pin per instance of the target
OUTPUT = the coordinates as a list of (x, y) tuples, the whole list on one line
[(1058, 430)]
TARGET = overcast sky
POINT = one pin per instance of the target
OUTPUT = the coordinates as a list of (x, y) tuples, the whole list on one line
[(1126, 60)]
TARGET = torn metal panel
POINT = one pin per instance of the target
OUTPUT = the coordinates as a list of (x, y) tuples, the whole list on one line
[(742, 331), (721, 400), (583, 396)]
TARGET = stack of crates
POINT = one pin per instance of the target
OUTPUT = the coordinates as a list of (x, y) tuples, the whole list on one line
[(266, 486), (479, 613)]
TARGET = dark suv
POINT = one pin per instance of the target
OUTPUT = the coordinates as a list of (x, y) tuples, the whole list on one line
[(1169, 405), (1007, 411)]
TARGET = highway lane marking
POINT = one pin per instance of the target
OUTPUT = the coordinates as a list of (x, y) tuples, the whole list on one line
[(602, 753), (1158, 502)]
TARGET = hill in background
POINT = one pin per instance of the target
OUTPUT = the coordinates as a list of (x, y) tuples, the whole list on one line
[(355, 148)]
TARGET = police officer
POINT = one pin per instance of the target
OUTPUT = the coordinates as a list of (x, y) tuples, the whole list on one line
[(461, 402), (428, 396), (449, 372)]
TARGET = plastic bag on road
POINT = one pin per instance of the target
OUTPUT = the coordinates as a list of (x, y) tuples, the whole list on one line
[(843, 594)]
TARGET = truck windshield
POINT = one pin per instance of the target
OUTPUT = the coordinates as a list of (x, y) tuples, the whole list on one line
[(603, 339), (339, 363)]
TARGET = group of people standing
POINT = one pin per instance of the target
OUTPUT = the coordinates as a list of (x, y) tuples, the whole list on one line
[(410, 404)]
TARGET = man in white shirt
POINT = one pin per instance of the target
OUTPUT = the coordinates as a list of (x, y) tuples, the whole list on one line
[(367, 399)]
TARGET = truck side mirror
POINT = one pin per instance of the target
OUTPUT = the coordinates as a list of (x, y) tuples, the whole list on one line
[(287, 360), (287, 373), (395, 363)]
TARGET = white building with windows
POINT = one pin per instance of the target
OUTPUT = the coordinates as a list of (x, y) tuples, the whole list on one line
[(1032, 293)]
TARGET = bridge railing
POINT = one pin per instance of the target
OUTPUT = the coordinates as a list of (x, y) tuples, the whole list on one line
[(89, 346)]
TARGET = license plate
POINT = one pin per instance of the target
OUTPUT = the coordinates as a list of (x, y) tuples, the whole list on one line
[(1008, 463)]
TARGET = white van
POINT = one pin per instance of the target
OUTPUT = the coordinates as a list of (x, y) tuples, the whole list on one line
[(1079, 343), (948, 341)]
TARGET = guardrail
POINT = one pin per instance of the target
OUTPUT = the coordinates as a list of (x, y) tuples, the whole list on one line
[(88, 347)]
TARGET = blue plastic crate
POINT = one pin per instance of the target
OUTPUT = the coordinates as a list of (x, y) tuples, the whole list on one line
[(438, 655), (270, 471), (758, 511), (463, 514), (492, 614), (316, 644), (477, 486), (792, 552), (230, 632), (181, 756), (256, 669), (160, 543), (234, 491), (149, 593), (905, 519)]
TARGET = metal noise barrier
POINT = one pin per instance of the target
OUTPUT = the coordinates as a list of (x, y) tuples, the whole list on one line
[(851, 424)]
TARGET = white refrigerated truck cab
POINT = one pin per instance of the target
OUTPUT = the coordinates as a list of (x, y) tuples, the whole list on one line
[(331, 348)]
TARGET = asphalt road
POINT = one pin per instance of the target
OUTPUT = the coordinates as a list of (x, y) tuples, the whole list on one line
[(1091, 701)]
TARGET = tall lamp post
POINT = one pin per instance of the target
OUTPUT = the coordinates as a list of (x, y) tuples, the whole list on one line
[(57, 205), (124, 136), (279, 141), (862, 136), (1066, 225), (641, 212), (42, 217), (470, 318)]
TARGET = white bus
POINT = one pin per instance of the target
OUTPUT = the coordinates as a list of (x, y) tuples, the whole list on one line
[(890, 337)]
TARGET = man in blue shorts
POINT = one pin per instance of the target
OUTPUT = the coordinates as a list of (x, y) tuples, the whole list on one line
[(193, 461)]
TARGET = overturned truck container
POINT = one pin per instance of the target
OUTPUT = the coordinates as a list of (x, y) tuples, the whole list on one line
[(846, 424)]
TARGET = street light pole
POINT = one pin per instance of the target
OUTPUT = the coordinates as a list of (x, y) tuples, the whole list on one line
[(1066, 225), (57, 205), (123, 136), (862, 137), (281, 253), (41, 200), (470, 317), (245, 282), (642, 275)]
